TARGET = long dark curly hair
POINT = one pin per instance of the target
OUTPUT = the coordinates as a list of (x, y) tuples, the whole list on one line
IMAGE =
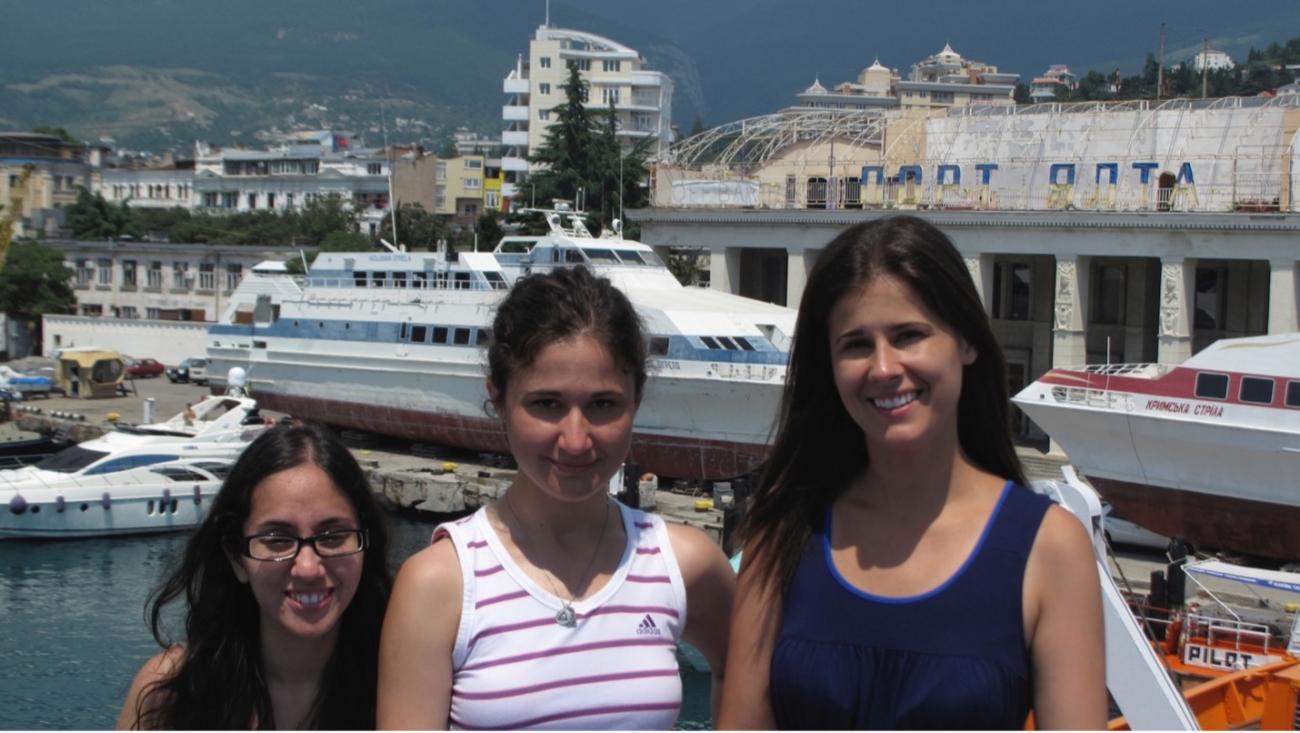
[(219, 682), (818, 446)]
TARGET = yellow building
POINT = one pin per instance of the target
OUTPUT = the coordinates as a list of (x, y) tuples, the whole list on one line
[(40, 175)]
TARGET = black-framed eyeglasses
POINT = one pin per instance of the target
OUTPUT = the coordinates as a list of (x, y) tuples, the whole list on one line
[(276, 547)]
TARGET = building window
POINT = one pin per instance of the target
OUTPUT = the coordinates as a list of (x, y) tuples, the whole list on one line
[(105, 266), (91, 309), (544, 62), (153, 314), (791, 190), (252, 201), (375, 169), (207, 276), (153, 279), (128, 312), (643, 121), (1108, 300), (1210, 305), (543, 114), (210, 200), (473, 164), (491, 199), (128, 273), (440, 170), (179, 272), (230, 200), (543, 88), (473, 184), (233, 275), (582, 64), (270, 201), (85, 273), (612, 65), (1012, 291), (609, 96)]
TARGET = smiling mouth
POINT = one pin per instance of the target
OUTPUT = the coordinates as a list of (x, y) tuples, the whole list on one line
[(313, 600), (897, 401)]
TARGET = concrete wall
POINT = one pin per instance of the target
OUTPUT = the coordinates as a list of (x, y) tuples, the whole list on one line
[(167, 341)]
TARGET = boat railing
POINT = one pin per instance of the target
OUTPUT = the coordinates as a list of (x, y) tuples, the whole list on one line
[(1229, 632), (1146, 370), (1089, 397)]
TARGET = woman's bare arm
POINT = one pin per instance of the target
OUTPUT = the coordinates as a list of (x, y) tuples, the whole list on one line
[(710, 589), (755, 618)]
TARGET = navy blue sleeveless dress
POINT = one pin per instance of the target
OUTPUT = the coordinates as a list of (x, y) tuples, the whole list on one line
[(954, 657)]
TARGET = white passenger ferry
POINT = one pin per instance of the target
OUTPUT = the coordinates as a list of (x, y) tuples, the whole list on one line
[(394, 343)]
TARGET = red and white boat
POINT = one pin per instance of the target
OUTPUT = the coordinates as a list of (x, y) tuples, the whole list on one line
[(1208, 450)]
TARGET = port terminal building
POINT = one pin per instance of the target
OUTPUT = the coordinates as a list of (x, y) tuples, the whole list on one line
[(1096, 232)]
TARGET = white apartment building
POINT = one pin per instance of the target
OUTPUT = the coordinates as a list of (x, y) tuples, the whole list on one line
[(1212, 60), (642, 98), (285, 177)]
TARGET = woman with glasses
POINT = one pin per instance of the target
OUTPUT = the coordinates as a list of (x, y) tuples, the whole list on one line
[(285, 584)]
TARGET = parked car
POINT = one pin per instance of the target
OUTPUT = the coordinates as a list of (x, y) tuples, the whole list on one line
[(144, 367), (1120, 531), (193, 370)]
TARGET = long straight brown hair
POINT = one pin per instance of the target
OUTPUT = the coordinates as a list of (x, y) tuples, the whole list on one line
[(818, 446)]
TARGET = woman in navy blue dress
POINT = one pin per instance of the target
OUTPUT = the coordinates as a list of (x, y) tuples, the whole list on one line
[(897, 573)]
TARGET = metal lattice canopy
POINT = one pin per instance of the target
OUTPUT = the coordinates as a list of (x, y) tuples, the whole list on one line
[(750, 143)]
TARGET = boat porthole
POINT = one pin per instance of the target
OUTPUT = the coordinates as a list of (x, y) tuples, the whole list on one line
[(36, 509), (149, 509), (85, 507), (176, 504)]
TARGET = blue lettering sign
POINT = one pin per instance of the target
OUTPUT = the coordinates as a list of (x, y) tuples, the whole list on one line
[(1112, 171), (909, 172), (1145, 169), (952, 169), (1056, 168)]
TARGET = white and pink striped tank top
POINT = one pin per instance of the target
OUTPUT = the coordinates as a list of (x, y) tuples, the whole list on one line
[(515, 667)]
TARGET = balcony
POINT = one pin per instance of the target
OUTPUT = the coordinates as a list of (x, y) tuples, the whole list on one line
[(514, 137), (514, 164), (514, 85), (513, 112)]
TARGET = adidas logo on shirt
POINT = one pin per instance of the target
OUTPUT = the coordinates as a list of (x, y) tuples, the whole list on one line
[(647, 627)]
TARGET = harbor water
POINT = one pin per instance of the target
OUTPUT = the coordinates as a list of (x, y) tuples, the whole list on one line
[(75, 631)]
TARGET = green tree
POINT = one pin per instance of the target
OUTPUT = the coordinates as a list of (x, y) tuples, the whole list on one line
[(489, 229), (323, 216), (416, 227), (35, 281), (91, 217), (58, 132)]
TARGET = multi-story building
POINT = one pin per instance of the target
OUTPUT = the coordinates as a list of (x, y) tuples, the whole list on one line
[(948, 80), (875, 88), (40, 175), (1212, 60), (459, 187), (642, 99), (305, 166), (1052, 83)]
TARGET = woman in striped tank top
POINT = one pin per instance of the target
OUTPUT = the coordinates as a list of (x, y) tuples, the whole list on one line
[(555, 607)]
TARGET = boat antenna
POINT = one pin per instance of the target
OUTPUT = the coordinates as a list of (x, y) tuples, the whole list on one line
[(620, 182), (392, 204), (303, 255)]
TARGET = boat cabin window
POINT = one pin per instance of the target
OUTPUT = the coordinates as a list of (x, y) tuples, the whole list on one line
[(728, 344), (399, 279), (419, 280), (440, 334), (70, 459), (658, 346), (461, 281), (461, 336), (440, 280), (602, 256), (496, 280), (481, 337), (744, 344), (1258, 390), (630, 257), (176, 473), (1212, 386), (404, 331), (126, 463), (220, 470), (359, 278), (573, 257), (418, 333), (710, 343), (1293, 394)]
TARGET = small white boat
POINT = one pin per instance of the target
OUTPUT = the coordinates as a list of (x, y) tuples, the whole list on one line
[(139, 479)]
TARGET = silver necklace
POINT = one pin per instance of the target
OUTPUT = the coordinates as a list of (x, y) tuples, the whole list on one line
[(566, 616)]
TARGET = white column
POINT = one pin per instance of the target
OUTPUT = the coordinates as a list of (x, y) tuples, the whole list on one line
[(1283, 303), (1177, 288), (724, 269), (1070, 311), (796, 274), (981, 271)]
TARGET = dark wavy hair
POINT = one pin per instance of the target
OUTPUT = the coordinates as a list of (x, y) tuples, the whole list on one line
[(818, 446), (219, 683), (543, 308)]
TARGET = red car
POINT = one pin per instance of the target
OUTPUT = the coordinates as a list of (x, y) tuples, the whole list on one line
[(144, 368)]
